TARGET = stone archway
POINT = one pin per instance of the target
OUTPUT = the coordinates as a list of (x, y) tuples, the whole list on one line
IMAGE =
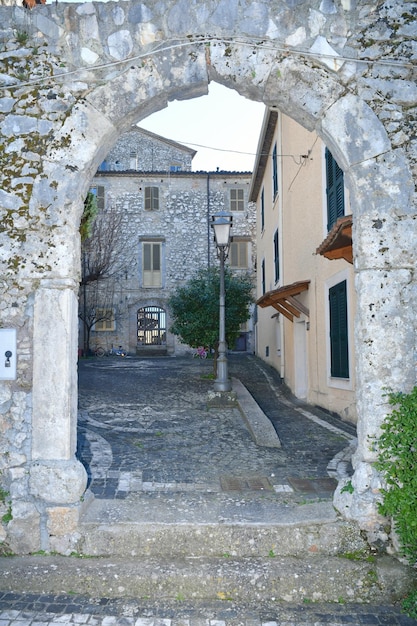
[(122, 63)]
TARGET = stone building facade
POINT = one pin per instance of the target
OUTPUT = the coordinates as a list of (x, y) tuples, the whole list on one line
[(74, 78), (164, 238)]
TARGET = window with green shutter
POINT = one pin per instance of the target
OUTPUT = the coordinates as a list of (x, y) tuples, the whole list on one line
[(339, 348), (335, 189), (262, 210), (275, 170), (276, 255)]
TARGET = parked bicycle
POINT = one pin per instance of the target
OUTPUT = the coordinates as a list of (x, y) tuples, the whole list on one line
[(201, 353), (118, 351), (99, 351)]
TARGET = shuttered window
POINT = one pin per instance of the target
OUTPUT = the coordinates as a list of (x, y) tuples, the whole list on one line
[(335, 189), (275, 170), (262, 211), (151, 264), (104, 320), (239, 254), (276, 255), (339, 348), (237, 200), (98, 191), (151, 198)]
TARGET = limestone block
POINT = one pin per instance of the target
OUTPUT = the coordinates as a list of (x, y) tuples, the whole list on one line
[(3, 534), (24, 529), (361, 135), (120, 44), (5, 398), (62, 482), (62, 525), (66, 544), (62, 520)]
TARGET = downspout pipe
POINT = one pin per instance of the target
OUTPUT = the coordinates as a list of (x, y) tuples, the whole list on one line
[(208, 221)]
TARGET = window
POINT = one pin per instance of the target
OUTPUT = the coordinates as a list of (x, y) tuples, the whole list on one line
[(276, 255), (133, 160), (104, 320), (151, 264), (263, 283), (151, 198), (237, 200), (335, 190), (339, 348), (175, 167), (262, 210), (98, 191), (239, 254), (275, 170)]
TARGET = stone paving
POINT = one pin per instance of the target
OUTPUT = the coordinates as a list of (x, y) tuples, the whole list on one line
[(144, 429), (130, 441)]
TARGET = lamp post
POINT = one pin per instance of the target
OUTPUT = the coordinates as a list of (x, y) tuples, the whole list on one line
[(221, 224)]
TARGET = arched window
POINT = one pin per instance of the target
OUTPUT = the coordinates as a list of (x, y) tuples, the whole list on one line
[(152, 326)]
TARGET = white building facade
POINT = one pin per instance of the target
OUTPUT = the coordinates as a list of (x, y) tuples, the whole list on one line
[(305, 288)]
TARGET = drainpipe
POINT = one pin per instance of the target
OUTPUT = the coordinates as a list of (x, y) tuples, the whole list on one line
[(208, 220)]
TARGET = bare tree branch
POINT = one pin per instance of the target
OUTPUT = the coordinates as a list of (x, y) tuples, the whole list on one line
[(102, 255)]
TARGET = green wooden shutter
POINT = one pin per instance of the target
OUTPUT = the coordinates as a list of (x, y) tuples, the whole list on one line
[(275, 170), (276, 255), (335, 189), (339, 348)]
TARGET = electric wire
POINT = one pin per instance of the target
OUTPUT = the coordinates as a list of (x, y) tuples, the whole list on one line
[(259, 45)]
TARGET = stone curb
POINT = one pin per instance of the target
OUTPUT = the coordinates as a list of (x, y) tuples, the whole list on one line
[(260, 427)]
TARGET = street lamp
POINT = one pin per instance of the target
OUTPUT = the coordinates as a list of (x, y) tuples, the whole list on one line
[(221, 224)]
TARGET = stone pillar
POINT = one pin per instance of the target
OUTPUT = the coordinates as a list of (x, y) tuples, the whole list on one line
[(385, 244), (57, 479), (384, 248)]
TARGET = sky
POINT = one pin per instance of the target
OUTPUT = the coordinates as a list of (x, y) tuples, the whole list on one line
[(223, 127)]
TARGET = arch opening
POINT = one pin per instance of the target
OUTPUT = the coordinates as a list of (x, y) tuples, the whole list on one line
[(339, 101)]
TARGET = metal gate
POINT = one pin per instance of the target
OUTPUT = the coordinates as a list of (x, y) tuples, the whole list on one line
[(152, 326)]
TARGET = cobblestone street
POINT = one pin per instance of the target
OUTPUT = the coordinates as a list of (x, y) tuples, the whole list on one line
[(145, 432), (144, 424)]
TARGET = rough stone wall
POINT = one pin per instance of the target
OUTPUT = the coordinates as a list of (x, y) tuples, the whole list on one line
[(142, 151), (187, 203), (74, 77)]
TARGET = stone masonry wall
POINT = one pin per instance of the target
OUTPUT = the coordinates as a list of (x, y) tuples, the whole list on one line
[(142, 150), (182, 222)]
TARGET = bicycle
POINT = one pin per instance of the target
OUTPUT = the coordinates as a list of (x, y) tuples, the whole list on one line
[(201, 353), (99, 351)]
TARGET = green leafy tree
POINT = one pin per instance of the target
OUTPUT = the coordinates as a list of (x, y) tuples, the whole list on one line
[(195, 308)]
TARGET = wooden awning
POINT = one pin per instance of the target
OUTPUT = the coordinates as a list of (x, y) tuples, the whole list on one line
[(284, 301), (338, 243)]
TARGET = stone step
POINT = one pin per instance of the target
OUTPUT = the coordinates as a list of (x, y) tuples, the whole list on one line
[(242, 580), (192, 525)]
